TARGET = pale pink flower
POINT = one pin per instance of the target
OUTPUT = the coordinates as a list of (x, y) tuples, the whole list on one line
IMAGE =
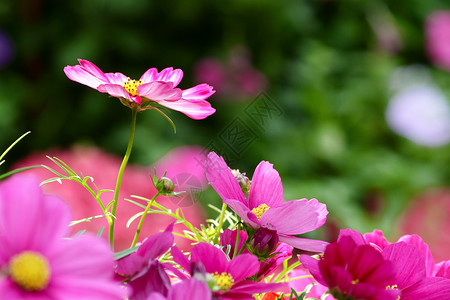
[(37, 259), (153, 87), (427, 216)]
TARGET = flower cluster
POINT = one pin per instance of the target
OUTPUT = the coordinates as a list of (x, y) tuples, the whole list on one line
[(248, 252), (367, 266)]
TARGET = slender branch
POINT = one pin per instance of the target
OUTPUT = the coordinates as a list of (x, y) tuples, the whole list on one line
[(236, 245), (219, 227), (138, 230), (119, 177)]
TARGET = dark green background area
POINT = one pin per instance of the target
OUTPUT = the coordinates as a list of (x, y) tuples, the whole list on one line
[(325, 72)]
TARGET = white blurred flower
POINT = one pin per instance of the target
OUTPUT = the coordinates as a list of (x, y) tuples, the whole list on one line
[(421, 113)]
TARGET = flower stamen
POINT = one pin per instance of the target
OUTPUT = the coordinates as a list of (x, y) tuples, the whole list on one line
[(223, 281), (131, 86), (258, 211), (30, 270)]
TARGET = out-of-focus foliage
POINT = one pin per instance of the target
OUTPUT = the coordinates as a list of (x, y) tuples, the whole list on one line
[(327, 66)]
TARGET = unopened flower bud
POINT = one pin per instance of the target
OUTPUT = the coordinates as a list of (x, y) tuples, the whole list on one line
[(243, 180), (264, 242), (165, 185)]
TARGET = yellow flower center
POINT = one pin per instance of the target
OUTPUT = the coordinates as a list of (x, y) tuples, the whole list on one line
[(131, 86), (30, 270), (393, 287), (224, 281), (258, 211)]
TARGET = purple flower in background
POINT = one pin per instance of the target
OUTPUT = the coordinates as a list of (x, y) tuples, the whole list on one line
[(234, 79), (420, 113), (437, 30), (265, 206), (6, 51)]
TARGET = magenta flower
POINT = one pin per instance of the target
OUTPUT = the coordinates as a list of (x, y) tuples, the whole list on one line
[(265, 206), (411, 274), (227, 278), (152, 87), (416, 274), (36, 259), (280, 253), (352, 269), (186, 289), (142, 271)]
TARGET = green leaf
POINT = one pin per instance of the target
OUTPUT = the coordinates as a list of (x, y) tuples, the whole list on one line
[(130, 220), (79, 233), (100, 231), (87, 219), (119, 255)]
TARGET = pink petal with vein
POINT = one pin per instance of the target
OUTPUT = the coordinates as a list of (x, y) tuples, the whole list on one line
[(198, 93), (93, 69), (194, 110), (79, 74), (266, 186), (116, 78), (292, 217), (159, 91), (115, 90), (303, 243), (222, 180)]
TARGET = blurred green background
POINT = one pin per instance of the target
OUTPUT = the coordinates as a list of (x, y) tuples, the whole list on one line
[(325, 66)]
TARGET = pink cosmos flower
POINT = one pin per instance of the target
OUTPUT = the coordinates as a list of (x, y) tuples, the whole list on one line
[(152, 87), (103, 167), (227, 277), (265, 206), (142, 271), (352, 269), (186, 289), (417, 276), (411, 275), (280, 253), (36, 258)]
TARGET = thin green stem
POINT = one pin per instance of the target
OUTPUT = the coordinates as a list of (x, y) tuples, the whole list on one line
[(219, 227), (138, 230), (286, 270), (119, 177), (13, 144), (236, 245), (5, 175)]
